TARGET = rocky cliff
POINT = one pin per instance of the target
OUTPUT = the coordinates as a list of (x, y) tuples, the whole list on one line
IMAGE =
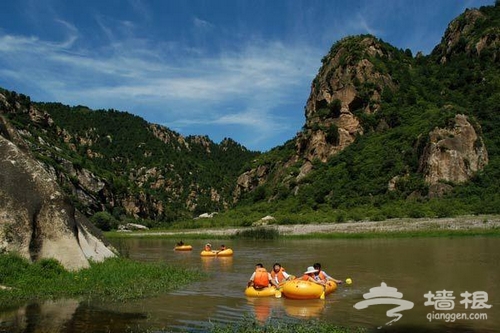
[(116, 162), (453, 155), (367, 86), (381, 125), (37, 220)]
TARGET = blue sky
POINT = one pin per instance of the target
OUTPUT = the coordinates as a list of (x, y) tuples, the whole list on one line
[(222, 68)]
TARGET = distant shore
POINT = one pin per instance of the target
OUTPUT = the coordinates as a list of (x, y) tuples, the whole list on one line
[(487, 224)]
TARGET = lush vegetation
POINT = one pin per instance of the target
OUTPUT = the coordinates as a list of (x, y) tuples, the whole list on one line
[(310, 326), (124, 151), (115, 279), (167, 175), (353, 184)]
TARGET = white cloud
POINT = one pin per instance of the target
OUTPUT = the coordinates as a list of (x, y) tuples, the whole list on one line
[(202, 24), (240, 87)]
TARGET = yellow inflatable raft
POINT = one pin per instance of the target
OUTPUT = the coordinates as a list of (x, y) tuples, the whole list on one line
[(300, 289), (183, 248), (264, 292), (214, 253)]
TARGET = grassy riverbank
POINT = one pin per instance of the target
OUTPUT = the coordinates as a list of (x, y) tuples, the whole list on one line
[(444, 227), (115, 279), (249, 325), (310, 326)]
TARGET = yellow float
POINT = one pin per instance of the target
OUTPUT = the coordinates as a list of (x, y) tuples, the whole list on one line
[(214, 253), (264, 292), (183, 248), (301, 289)]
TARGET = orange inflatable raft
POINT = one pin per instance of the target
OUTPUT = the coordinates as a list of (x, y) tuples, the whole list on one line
[(300, 289)]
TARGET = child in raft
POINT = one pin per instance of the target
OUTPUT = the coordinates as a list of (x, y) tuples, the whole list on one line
[(261, 278), (321, 275), (279, 275), (309, 276)]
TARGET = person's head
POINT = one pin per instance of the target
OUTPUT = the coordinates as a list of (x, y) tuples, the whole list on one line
[(223, 246), (317, 266), (276, 267), (310, 271), (208, 246), (259, 265)]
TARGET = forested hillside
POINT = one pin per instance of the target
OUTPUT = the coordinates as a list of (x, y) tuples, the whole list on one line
[(118, 163), (385, 131), (387, 134)]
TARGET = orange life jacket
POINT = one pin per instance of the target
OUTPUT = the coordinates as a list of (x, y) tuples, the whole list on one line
[(261, 278), (305, 277), (280, 275)]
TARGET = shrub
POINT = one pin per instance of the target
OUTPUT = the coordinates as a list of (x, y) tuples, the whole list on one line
[(104, 221), (258, 233)]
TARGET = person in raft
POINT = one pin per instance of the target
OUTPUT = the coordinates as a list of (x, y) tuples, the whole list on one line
[(309, 276), (322, 276), (279, 275), (222, 248), (261, 278), (180, 243), (208, 247)]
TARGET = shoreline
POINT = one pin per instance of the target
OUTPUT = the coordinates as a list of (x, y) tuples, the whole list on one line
[(487, 224)]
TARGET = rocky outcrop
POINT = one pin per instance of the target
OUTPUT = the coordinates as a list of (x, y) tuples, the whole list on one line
[(37, 220), (249, 180), (462, 36), (340, 89), (453, 154), (348, 83)]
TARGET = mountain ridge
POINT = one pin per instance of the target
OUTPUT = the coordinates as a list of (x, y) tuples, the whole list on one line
[(377, 119)]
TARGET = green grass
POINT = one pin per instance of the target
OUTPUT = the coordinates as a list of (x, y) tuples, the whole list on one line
[(162, 233), (272, 233), (250, 325), (115, 279), (310, 326), (258, 233)]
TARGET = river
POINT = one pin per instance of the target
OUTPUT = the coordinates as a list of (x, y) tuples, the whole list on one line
[(445, 279)]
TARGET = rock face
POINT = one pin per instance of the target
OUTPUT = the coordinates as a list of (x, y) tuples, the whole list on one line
[(337, 92), (453, 154), (36, 218), (462, 36), (347, 84)]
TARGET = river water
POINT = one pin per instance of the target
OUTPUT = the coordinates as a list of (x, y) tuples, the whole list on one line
[(444, 278)]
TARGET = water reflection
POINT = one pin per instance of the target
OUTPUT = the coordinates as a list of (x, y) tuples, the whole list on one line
[(414, 266), (304, 309), (67, 315), (211, 264), (263, 307), (52, 315)]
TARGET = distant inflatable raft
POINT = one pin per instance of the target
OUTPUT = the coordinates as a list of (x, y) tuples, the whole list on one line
[(183, 248), (214, 253), (300, 289)]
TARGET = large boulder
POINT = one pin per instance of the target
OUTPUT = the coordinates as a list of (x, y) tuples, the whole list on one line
[(453, 154), (36, 219)]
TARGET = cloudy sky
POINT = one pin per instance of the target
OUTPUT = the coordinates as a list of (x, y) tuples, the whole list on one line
[(223, 68)]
